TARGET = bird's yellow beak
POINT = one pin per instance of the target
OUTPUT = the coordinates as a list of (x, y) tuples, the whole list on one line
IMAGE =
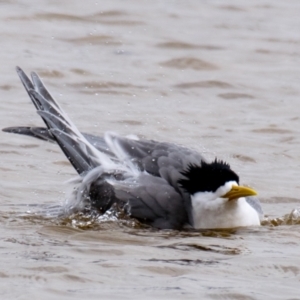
[(238, 192)]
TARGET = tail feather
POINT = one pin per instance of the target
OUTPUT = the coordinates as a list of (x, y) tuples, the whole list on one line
[(41, 133), (77, 155), (25, 80), (29, 86), (44, 134), (41, 89), (82, 156), (80, 152)]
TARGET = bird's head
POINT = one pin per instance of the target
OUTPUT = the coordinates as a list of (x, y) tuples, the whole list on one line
[(213, 181), (215, 194)]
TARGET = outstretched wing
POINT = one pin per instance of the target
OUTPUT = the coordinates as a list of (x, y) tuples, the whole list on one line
[(81, 153), (86, 151)]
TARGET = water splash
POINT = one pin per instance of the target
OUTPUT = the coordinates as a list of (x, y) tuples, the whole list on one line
[(92, 219), (293, 218)]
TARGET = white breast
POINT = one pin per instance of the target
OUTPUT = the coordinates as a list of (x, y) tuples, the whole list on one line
[(209, 213)]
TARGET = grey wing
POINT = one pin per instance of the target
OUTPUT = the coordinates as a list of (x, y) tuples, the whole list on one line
[(164, 160), (147, 198), (159, 159), (152, 155), (82, 154), (41, 133), (86, 151), (153, 201)]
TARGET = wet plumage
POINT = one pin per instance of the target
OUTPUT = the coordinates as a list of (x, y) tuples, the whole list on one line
[(160, 184)]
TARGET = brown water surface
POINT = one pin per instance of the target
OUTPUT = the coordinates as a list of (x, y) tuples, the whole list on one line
[(219, 76)]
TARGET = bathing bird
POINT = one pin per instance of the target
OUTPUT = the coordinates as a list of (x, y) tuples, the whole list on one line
[(161, 184)]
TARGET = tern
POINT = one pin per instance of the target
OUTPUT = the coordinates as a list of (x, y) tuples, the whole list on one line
[(161, 184)]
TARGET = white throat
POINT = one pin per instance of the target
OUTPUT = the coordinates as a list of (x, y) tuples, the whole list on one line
[(210, 210)]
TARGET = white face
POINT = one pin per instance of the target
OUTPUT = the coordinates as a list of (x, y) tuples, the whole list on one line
[(224, 189), (217, 195)]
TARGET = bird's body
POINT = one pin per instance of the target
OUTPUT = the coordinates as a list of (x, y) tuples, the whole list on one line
[(161, 184)]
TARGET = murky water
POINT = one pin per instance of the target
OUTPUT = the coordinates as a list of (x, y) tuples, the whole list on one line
[(221, 77)]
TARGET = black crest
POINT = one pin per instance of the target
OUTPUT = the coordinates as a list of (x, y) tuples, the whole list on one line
[(207, 177)]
